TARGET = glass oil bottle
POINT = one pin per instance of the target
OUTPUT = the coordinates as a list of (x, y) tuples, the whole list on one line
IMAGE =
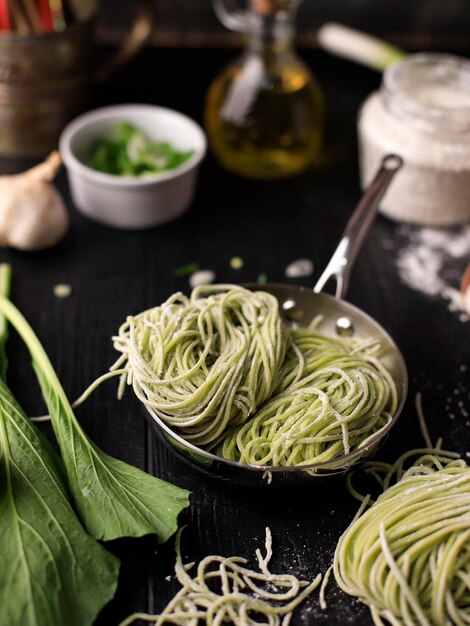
[(264, 112)]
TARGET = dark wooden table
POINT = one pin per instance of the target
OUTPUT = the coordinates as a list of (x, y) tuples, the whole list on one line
[(115, 273)]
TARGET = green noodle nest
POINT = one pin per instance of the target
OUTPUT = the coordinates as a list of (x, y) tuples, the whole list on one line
[(206, 362), (408, 555), (221, 370), (332, 397)]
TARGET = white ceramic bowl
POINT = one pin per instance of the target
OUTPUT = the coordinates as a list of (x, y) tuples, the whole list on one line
[(130, 202)]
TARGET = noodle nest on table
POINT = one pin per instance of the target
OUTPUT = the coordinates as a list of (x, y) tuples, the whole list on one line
[(408, 556)]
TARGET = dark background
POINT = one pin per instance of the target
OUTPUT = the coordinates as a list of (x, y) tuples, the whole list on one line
[(412, 24)]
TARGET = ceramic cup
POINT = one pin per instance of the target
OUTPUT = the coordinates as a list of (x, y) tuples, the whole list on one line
[(130, 202)]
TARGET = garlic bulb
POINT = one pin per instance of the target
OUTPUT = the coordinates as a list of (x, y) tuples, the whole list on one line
[(32, 213)]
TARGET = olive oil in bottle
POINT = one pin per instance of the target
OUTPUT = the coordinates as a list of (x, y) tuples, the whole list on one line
[(264, 112)]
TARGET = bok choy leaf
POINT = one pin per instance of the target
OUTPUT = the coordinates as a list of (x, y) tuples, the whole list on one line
[(51, 571), (114, 499)]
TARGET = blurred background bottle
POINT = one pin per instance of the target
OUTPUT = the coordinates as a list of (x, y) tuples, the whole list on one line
[(264, 112)]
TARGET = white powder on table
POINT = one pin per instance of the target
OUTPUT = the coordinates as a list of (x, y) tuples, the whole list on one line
[(201, 277), (300, 268), (433, 262)]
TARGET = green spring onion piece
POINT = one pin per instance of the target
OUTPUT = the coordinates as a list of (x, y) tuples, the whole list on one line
[(130, 153), (357, 46), (186, 270)]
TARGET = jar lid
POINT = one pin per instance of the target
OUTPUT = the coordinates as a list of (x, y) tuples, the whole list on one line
[(431, 91)]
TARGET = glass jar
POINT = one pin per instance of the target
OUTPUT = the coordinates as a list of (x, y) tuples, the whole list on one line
[(264, 111), (422, 113)]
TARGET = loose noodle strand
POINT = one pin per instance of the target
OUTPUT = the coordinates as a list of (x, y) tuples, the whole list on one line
[(226, 590)]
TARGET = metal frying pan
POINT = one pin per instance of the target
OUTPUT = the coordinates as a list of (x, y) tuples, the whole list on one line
[(299, 306)]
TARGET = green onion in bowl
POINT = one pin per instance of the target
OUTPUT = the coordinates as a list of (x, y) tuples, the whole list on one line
[(130, 184), (131, 153)]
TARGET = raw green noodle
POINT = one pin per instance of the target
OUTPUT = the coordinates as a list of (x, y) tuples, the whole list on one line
[(332, 397), (408, 555), (214, 368), (226, 591), (205, 362)]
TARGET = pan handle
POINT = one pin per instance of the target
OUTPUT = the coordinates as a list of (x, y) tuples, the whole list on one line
[(357, 228)]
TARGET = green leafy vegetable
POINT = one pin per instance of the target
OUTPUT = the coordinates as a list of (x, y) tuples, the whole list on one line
[(131, 153), (51, 571), (113, 498)]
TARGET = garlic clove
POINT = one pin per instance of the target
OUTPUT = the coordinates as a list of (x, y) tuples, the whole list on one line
[(47, 170), (32, 212)]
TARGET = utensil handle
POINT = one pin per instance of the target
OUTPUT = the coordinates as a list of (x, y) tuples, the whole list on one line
[(358, 227), (133, 42)]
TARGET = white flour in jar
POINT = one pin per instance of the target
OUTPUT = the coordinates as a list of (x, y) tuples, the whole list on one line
[(433, 262), (433, 188), (422, 113)]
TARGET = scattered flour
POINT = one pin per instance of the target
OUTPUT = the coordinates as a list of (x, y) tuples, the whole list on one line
[(62, 290), (300, 268), (433, 262), (201, 277)]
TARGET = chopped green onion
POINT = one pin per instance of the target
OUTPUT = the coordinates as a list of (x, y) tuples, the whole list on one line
[(357, 46), (131, 153), (186, 270)]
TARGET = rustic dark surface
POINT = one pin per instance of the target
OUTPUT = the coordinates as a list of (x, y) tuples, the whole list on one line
[(115, 273)]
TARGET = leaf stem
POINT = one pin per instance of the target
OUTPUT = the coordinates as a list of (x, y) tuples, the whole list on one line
[(5, 285), (40, 359)]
